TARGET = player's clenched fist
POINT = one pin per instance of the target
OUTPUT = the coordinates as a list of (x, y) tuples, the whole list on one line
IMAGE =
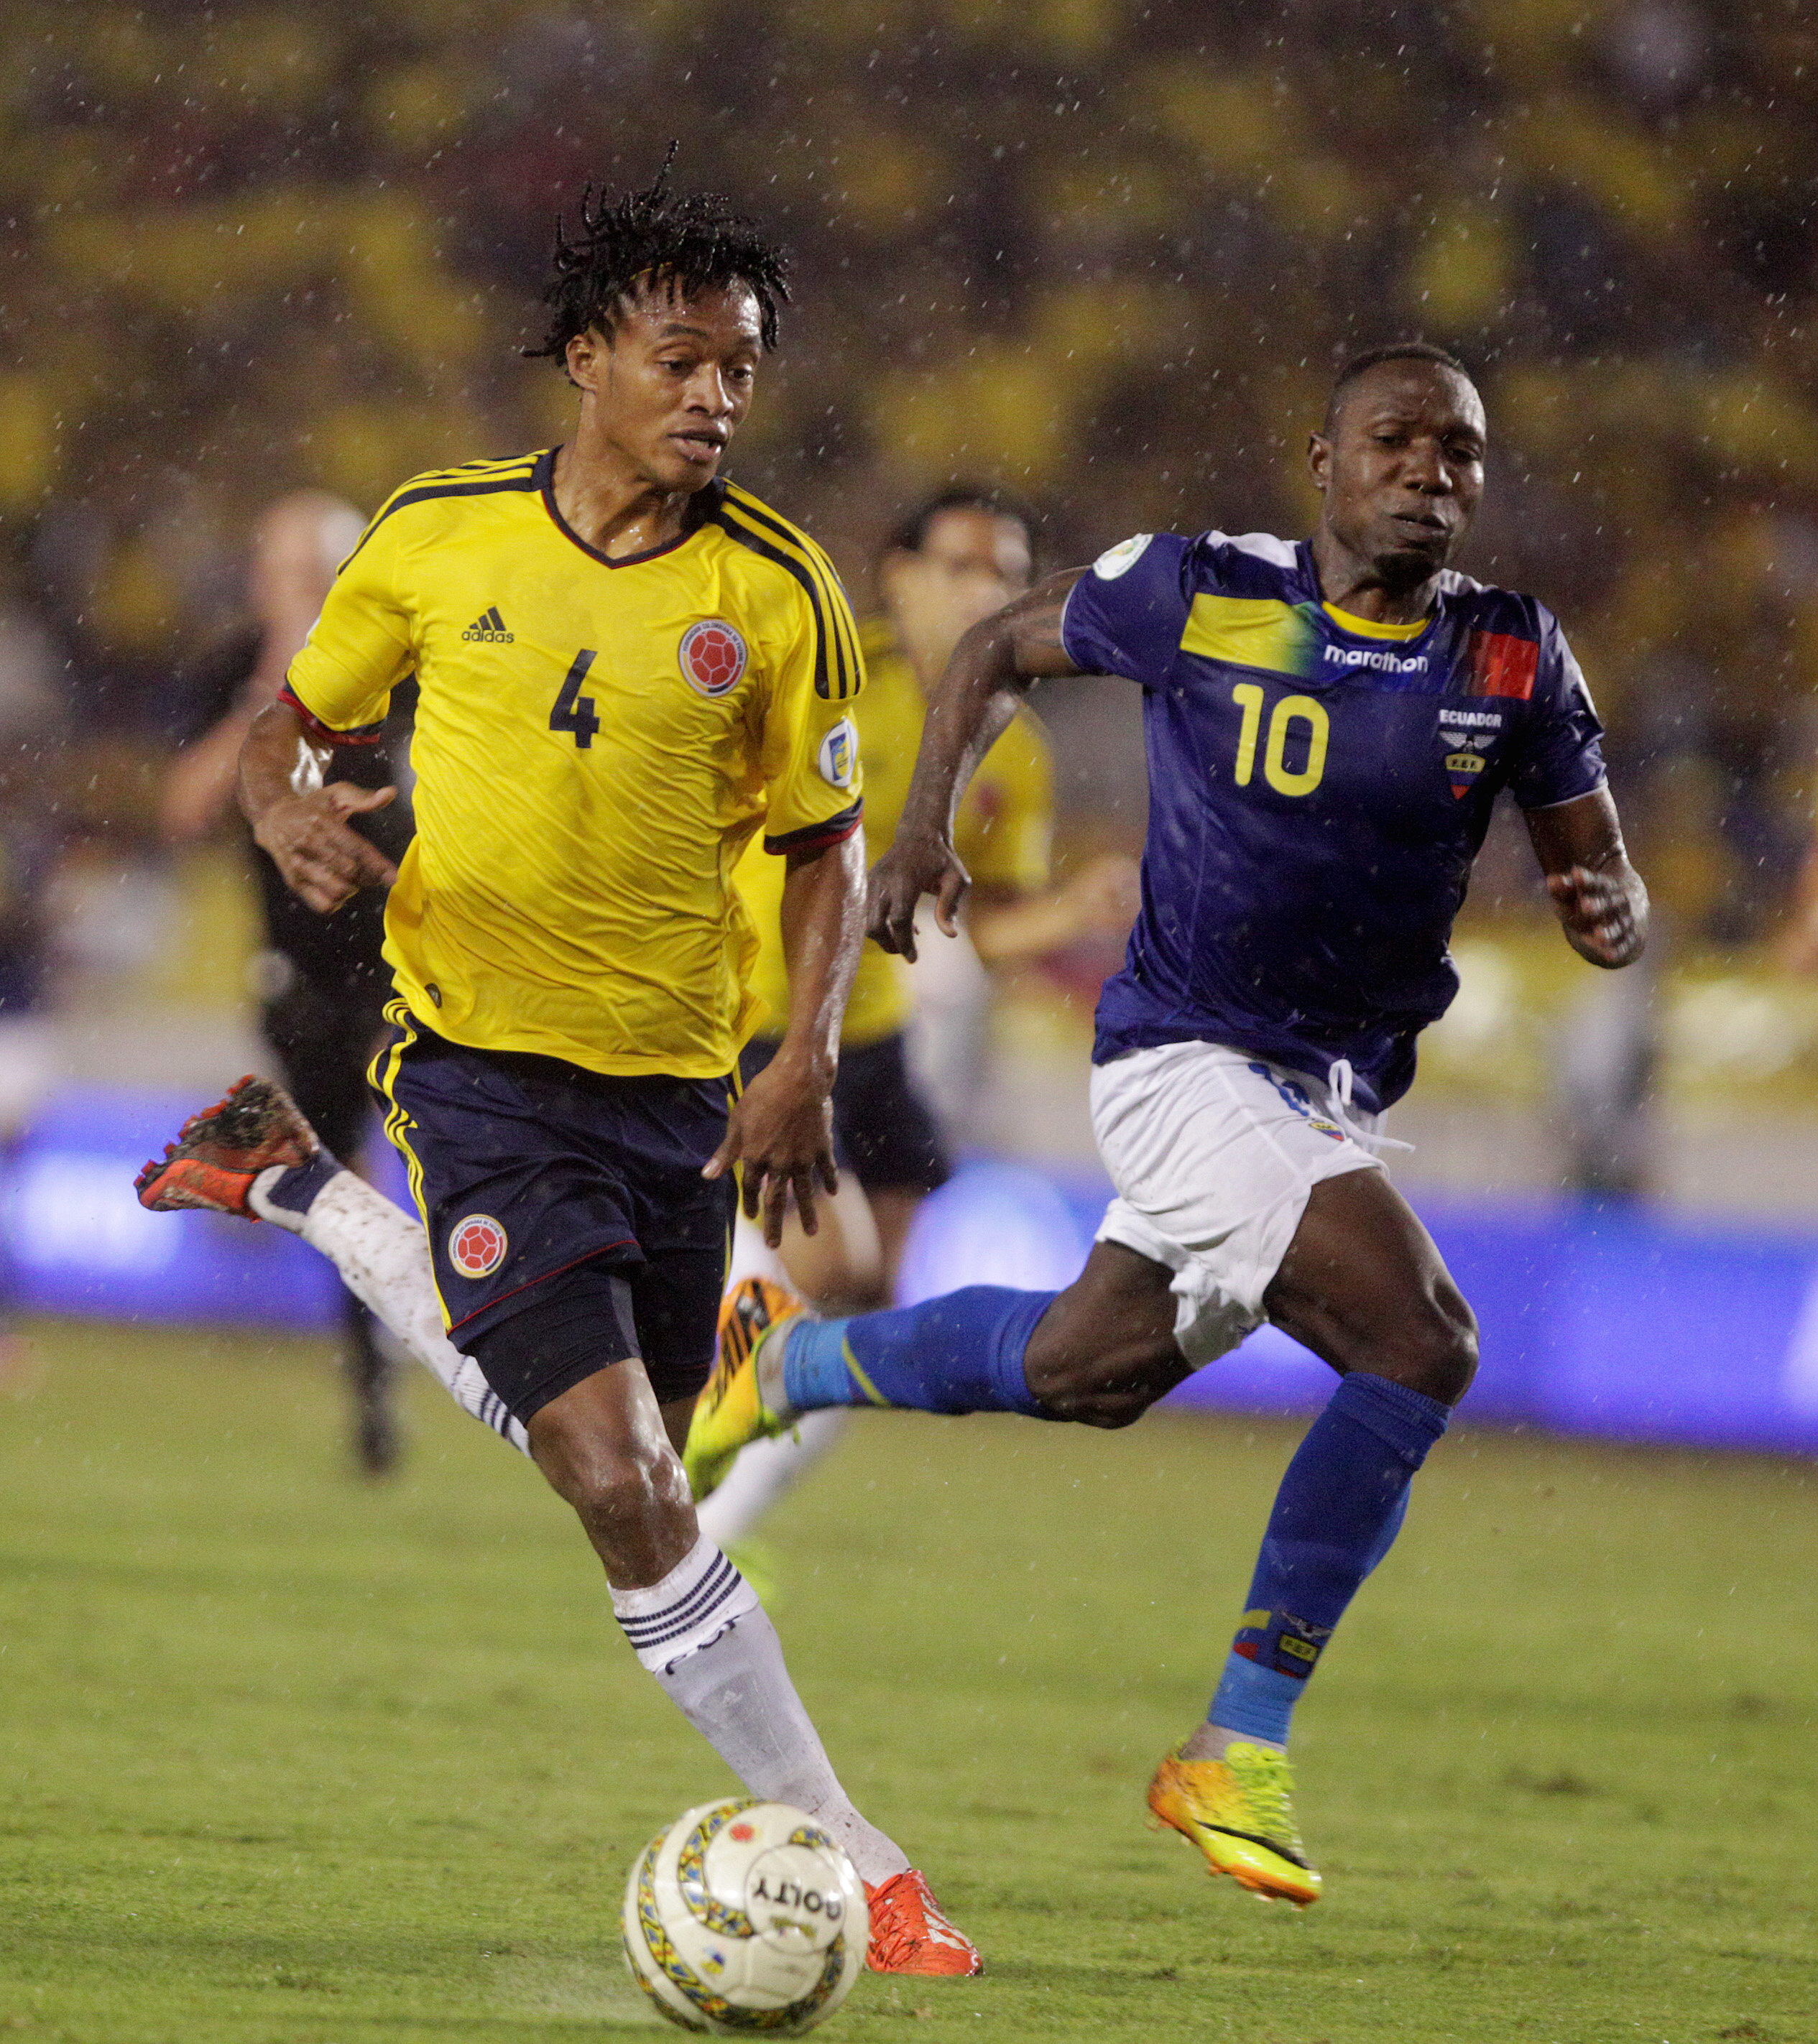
[(323, 859), (915, 865), (1604, 914)]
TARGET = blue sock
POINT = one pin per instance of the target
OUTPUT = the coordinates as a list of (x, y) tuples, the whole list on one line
[(960, 1353), (1336, 1514)]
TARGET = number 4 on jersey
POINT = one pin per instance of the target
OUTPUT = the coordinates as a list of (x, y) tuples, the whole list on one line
[(574, 712)]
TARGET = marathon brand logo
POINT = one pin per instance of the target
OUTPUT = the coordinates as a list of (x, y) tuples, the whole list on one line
[(1385, 664)]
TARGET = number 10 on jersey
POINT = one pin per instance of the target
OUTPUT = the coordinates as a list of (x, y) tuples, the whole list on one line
[(1290, 711)]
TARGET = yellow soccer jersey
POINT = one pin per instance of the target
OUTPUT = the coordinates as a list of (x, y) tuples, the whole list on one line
[(597, 742), (1003, 834)]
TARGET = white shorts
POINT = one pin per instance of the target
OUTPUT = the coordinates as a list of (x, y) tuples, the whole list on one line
[(1213, 1153)]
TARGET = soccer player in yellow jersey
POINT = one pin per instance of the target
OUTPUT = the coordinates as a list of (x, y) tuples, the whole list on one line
[(628, 668), (950, 562)]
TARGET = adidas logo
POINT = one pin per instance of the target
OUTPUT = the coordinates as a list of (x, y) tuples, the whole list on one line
[(488, 629)]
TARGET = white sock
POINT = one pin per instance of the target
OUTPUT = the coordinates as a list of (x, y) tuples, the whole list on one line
[(753, 1257), (765, 1471), (706, 1639), (384, 1261)]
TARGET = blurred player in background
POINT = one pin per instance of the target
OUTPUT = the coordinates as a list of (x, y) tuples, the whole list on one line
[(322, 983), (950, 562), (33, 731), (1797, 944), (571, 956), (1328, 725)]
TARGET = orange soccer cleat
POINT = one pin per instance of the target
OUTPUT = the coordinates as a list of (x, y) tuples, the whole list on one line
[(909, 1933), (219, 1152)]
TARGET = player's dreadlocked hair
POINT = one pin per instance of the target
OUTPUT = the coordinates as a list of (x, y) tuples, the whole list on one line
[(692, 241), (1392, 351)]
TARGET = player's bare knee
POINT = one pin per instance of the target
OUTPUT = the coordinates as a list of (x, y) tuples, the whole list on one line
[(1438, 1354), (611, 1483), (625, 1494)]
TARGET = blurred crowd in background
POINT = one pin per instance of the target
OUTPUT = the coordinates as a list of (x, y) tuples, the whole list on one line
[(1104, 253)]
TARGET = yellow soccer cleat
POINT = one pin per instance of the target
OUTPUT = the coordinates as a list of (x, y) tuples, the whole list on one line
[(730, 1412), (1237, 1810)]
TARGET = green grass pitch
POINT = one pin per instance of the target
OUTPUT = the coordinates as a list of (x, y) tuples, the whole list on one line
[(296, 1761)]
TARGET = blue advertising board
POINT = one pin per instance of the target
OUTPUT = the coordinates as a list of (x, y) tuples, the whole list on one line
[(1597, 1319)]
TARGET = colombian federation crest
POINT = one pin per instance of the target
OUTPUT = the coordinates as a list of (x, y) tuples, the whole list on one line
[(713, 657), (477, 1246)]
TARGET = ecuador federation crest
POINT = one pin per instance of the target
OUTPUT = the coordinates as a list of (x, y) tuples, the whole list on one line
[(712, 656)]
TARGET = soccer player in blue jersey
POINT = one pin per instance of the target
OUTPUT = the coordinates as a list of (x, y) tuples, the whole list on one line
[(1328, 725)]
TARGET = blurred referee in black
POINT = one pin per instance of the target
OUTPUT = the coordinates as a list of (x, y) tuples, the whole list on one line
[(321, 978)]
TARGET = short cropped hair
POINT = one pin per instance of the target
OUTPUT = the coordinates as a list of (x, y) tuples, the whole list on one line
[(1392, 351), (909, 534), (689, 241)]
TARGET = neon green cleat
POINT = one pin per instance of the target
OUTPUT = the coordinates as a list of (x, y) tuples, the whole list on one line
[(759, 1562), (730, 1412), (1237, 1812)]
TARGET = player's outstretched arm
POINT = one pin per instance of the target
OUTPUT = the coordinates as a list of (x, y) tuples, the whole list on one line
[(1602, 902), (781, 1128), (303, 824), (990, 672)]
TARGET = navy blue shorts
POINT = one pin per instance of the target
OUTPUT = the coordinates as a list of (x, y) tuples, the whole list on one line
[(567, 1219), (884, 1131)]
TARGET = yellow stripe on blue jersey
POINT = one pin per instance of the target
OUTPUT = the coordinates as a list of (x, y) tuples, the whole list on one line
[(597, 743), (1250, 631), (1003, 834)]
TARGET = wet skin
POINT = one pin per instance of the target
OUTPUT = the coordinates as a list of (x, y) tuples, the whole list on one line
[(1398, 463)]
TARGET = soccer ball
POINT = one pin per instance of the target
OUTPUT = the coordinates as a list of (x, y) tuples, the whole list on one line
[(745, 1917)]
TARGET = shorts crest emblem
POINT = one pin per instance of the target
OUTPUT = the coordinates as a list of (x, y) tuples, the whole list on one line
[(712, 656), (477, 1244)]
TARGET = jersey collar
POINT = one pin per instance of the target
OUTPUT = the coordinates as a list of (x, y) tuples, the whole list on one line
[(699, 505), (1357, 628)]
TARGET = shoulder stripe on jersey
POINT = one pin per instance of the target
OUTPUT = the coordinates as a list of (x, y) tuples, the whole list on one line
[(837, 662), (517, 478)]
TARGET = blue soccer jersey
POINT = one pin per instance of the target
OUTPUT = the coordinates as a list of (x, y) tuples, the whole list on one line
[(1318, 788)]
